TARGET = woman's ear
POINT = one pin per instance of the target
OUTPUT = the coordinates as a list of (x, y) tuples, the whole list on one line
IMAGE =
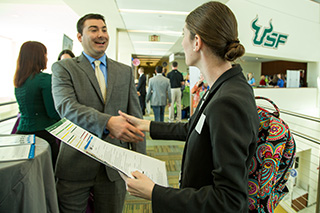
[(197, 43)]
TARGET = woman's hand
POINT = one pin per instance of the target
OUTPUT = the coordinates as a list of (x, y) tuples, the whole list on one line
[(142, 125), (121, 129), (140, 186)]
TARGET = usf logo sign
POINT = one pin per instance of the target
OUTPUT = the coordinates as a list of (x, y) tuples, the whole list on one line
[(265, 36)]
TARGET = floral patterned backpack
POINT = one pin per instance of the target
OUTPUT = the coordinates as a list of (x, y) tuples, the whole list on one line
[(271, 165)]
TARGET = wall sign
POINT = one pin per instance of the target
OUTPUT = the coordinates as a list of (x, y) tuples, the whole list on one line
[(266, 36), (154, 38), (294, 173), (136, 62)]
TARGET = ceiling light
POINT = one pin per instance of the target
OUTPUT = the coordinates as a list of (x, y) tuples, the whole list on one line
[(152, 42), (154, 12), (146, 56), (175, 33), (155, 49)]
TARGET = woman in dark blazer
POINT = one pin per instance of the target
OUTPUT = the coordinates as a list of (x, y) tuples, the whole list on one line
[(220, 136), (33, 94)]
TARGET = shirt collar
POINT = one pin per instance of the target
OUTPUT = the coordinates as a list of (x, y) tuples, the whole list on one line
[(103, 59)]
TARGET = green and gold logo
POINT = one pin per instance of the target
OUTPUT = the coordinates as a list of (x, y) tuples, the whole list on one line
[(266, 37)]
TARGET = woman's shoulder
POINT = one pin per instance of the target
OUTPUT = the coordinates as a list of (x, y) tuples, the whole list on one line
[(43, 76)]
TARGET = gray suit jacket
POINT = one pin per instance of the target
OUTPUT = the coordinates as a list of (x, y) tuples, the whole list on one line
[(159, 87), (77, 97)]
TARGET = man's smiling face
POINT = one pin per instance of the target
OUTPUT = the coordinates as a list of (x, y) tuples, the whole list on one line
[(94, 38)]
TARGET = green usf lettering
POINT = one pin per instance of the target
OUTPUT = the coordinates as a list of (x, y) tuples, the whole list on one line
[(268, 38)]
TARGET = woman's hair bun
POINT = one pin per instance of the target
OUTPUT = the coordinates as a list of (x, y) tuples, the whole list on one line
[(234, 50)]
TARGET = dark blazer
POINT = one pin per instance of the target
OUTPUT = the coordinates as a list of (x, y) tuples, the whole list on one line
[(220, 142), (142, 85), (77, 97)]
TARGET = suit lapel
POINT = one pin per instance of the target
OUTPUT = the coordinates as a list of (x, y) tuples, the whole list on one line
[(203, 102), (208, 96), (202, 105), (86, 67), (112, 78)]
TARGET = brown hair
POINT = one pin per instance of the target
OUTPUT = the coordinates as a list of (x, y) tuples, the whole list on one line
[(32, 60), (66, 51), (217, 26), (81, 21)]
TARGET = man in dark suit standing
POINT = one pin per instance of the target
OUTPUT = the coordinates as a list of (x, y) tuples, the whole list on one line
[(141, 88), (89, 90)]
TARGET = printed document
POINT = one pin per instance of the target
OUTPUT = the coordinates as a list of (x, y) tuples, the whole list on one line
[(12, 140), (22, 152), (123, 160)]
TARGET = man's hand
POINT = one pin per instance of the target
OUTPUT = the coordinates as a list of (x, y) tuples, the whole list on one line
[(121, 129), (143, 125)]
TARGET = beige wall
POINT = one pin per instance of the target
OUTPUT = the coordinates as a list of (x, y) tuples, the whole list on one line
[(253, 67)]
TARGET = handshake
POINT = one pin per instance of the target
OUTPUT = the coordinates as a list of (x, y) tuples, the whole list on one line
[(130, 129), (127, 128)]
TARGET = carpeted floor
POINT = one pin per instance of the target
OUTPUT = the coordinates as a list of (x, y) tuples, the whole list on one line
[(172, 155), (168, 151)]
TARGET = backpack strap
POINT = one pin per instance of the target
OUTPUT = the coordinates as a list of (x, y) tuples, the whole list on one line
[(277, 112)]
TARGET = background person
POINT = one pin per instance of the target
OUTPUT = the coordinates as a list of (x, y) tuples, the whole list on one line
[(33, 94), (274, 80), (198, 91), (251, 80), (280, 82), (221, 135), (263, 81), (164, 72), (158, 91), (65, 54), (176, 81), (141, 88), (81, 97)]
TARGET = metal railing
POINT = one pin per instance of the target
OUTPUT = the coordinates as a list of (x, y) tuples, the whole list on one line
[(295, 114), (6, 104), (310, 185)]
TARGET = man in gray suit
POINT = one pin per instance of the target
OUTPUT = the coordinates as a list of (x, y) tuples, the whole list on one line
[(159, 87), (79, 97)]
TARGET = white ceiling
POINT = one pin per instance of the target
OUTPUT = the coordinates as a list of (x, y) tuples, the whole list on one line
[(164, 18), (19, 19)]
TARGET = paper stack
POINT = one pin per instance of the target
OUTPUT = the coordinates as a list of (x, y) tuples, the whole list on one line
[(16, 147)]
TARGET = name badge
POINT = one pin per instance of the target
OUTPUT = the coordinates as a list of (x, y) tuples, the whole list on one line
[(200, 123)]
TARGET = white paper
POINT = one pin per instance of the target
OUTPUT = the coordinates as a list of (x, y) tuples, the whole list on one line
[(12, 140), (128, 161), (123, 160), (22, 152)]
